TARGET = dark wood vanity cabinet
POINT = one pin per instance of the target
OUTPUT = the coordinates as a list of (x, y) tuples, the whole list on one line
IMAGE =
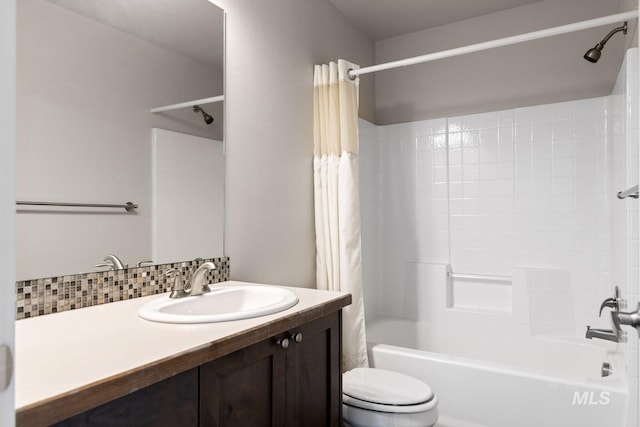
[(296, 382), (171, 402), (264, 384)]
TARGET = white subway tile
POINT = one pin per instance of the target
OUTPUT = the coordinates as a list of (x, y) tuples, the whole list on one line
[(470, 138), (523, 134), (562, 110), (470, 171), (455, 156), (562, 167), (489, 137), (470, 154), (506, 152), (541, 132), (540, 113), (470, 122), (506, 118), (454, 124), (487, 171), (592, 107)]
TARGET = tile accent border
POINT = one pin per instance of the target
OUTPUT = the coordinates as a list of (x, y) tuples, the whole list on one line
[(56, 294)]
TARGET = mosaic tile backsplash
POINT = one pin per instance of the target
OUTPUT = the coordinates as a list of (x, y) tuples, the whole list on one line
[(55, 294)]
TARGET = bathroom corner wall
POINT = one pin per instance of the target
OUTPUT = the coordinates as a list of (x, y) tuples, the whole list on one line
[(271, 49), (527, 193)]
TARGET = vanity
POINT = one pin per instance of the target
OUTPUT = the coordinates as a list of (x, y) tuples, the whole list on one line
[(279, 369)]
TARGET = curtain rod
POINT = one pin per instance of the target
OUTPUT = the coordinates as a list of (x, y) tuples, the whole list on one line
[(535, 35), (188, 104)]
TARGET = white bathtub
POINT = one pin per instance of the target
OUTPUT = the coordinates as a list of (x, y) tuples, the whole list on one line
[(484, 380)]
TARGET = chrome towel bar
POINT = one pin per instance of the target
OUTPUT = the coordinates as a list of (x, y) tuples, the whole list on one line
[(631, 192), (129, 207)]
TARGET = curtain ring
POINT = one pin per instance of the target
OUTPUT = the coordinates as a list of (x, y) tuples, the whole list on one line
[(349, 74)]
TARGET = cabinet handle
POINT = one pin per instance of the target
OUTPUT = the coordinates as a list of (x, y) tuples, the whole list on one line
[(284, 342), (297, 337)]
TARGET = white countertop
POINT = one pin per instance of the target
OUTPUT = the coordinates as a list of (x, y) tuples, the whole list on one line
[(58, 353)]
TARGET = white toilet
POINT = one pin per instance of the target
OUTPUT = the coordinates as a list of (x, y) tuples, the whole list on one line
[(376, 397)]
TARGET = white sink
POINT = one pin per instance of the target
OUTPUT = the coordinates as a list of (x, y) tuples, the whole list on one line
[(222, 304)]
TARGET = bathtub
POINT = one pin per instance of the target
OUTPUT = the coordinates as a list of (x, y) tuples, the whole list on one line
[(491, 381)]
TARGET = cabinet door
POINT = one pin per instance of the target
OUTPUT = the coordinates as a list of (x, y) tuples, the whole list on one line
[(172, 402), (314, 378), (245, 388)]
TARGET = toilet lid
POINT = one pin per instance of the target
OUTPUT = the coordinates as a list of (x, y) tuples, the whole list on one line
[(384, 387)]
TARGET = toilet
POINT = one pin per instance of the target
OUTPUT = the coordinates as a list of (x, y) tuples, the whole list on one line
[(374, 397)]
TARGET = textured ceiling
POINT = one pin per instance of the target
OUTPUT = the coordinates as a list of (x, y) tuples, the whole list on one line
[(382, 19), (193, 28)]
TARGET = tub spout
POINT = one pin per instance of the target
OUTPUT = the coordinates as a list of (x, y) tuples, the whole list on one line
[(603, 334)]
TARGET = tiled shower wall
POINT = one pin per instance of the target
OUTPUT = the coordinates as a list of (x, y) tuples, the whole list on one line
[(527, 193), (624, 164)]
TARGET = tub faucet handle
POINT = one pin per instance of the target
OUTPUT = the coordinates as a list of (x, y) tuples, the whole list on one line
[(615, 302), (609, 302)]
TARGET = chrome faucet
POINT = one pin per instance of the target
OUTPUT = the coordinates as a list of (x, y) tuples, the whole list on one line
[(177, 289), (603, 334), (196, 284), (616, 334), (631, 318), (113, 262)]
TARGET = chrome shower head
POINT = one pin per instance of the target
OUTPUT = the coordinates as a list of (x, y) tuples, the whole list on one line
[(207, 118), (593, 54)]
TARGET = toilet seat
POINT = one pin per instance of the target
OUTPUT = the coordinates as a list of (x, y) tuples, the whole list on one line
[(386, 391)]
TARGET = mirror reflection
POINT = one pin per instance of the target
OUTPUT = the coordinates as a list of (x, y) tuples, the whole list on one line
[(89, 73)]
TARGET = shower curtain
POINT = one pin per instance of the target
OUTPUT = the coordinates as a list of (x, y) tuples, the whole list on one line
[(337, 200)]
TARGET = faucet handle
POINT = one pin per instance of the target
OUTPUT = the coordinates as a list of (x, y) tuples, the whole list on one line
[(177, 289), (609, 302), (615, 302)]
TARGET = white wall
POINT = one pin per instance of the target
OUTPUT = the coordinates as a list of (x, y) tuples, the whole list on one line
[(84, 134), (7, 199), (539, 72), (271, 49)]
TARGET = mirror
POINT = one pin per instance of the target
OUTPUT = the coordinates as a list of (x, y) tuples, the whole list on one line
[(89, 72)]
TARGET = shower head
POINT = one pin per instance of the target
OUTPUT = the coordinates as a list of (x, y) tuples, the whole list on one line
[(594, 53), (207, 118)]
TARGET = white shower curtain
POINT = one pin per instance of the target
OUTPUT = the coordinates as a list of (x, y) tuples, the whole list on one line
[(337, 200)]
